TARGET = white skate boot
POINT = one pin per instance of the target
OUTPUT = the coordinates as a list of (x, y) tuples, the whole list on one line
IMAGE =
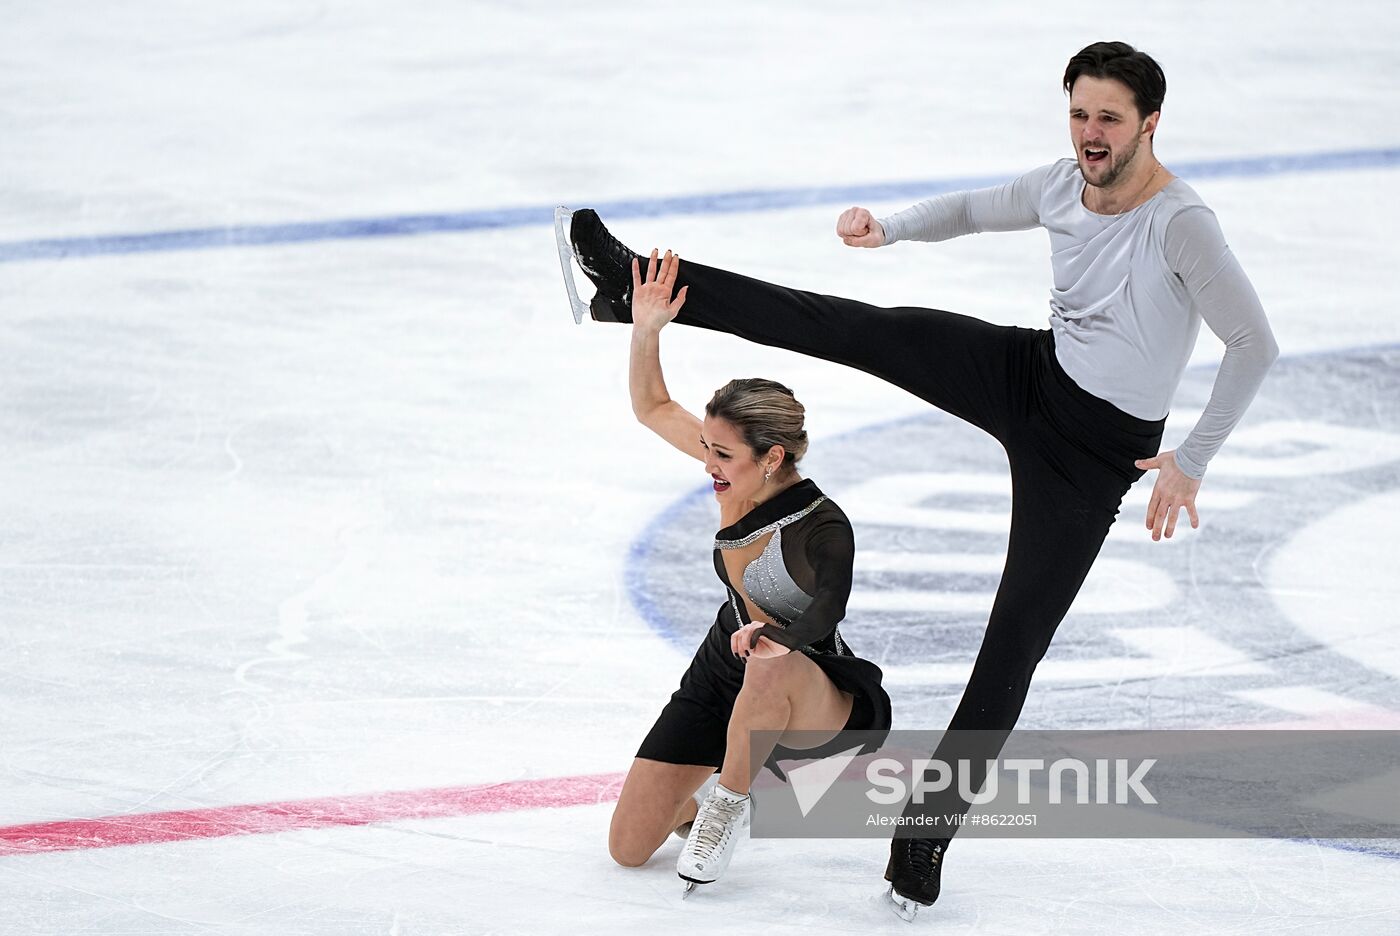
[(682, 831), (713, 835)]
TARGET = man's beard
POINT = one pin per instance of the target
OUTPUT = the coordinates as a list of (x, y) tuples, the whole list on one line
[(1115, 171)]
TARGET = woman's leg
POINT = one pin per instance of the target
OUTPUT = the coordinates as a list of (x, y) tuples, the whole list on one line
[(780, 694), (655, 800)]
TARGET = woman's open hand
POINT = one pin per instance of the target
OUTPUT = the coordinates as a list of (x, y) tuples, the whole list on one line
[(652, 306)]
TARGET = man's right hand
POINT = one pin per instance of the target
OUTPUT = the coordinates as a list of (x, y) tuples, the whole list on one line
[(858, 228)]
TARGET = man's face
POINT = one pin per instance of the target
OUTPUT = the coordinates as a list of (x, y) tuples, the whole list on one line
[(1105, 129)]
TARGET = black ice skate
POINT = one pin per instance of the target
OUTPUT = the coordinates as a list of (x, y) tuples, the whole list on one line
[(913, 872), (581, 236)]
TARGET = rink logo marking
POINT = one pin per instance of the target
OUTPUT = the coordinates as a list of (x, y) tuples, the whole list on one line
[(298, 815), (947, 547), (258, 235)]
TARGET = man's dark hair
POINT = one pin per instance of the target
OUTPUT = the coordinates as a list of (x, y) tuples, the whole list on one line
[(1121, 62)]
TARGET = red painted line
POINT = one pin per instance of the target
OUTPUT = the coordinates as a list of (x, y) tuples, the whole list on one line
[(442, 803), (327, 812)]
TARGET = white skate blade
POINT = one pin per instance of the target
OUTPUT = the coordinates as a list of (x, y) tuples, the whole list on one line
[(689, 886), (562, 216), (903, 907)]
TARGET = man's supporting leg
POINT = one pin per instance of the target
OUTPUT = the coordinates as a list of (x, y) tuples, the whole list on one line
[(1055, 536)]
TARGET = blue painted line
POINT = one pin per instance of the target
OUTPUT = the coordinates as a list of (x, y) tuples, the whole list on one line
[(258, 235), (1375, 851), (634, 581)]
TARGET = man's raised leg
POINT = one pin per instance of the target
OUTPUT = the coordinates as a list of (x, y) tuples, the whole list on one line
[(960, 364)]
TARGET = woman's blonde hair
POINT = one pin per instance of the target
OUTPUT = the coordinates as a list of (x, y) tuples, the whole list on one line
[(766, 414)]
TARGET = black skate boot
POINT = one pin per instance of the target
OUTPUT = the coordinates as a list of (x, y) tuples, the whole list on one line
[(608, 263), (913, 872), (583, 239), (603, 309)]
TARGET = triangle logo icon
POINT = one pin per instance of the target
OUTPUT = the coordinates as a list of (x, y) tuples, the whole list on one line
[(811, 781)]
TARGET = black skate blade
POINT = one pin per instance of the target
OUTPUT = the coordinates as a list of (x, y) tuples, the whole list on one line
[(562, 216)]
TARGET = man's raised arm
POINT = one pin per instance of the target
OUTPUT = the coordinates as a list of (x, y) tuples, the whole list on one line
[(1014, 206)]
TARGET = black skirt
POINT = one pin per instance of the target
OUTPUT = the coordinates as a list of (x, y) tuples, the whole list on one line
[(693, 727)]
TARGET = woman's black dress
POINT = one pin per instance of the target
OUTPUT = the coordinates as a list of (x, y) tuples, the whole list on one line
[(801, 579)]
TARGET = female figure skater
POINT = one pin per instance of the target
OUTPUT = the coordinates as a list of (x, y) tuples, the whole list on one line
[(784, 555)]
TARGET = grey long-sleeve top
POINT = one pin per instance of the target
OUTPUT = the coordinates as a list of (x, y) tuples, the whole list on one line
[(1129, 294)]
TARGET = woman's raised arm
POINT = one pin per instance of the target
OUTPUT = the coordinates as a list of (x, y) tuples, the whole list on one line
[(652, 308)]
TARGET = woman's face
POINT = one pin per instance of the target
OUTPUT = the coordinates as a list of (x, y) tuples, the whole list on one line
[(730, 462)]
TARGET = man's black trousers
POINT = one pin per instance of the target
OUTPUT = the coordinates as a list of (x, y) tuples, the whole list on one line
[(1071, 454)]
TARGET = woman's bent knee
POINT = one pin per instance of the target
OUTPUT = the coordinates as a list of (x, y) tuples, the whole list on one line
[(626, 846), (628, 854)]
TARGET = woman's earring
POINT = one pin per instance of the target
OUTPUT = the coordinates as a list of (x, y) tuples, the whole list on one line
[(767, 474)]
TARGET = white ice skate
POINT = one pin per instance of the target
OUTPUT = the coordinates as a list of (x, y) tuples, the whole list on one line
[(683, 831), (562, 217), (713, 835)]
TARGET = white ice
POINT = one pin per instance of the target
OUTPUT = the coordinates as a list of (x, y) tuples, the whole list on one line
[(335, 518)]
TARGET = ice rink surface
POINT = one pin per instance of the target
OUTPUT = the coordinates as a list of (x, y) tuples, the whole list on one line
[(361, 524)]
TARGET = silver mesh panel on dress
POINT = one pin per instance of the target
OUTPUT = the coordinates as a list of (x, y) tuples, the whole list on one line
[(766, 579), (770, 586)]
